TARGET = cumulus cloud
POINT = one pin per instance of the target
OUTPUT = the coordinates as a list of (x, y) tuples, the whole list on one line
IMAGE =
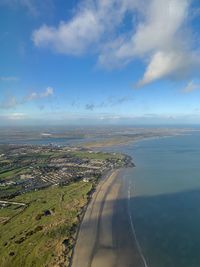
[(190, 87), (156, 35), (76, 34), (159, 40), (89, 26)]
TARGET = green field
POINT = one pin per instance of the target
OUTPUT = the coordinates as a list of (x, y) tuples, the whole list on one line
[(97, 155), (41, 233), (10, 173)]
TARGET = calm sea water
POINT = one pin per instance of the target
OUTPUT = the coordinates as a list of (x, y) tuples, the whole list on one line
[(165, 199)]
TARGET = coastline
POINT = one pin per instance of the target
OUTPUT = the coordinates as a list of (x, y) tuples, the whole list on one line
[(85, 244), (100, 183), (91, 195), (112, 143)]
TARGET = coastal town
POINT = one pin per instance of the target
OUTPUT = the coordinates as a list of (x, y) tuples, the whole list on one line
[(44, 191), (24, 168)]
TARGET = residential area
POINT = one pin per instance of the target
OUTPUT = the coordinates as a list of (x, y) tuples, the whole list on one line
[(24, 168)]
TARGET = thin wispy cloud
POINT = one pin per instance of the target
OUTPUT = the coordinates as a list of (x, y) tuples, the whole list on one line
[(8, 78), (16, 116), (191, 87), (90, 106), (33, 7), (158, 37), (27, 4), (13, 117), (109, 102), (11, 102), (35, 95), (75, 103)]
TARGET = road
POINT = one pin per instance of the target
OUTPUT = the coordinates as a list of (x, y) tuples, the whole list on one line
[(107, 236)]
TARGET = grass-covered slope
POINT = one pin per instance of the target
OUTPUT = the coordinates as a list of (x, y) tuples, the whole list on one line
[(41, 233)]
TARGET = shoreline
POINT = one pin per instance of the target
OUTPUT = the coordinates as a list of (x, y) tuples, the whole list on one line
[(94, 190), (122, 139), (113, 143), (105, 177), (85, 244)]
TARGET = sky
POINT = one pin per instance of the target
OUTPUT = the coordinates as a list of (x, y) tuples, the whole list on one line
[(81, 62)]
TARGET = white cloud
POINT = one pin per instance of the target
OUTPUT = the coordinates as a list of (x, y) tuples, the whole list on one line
[(11, 101), (16, 116), (190, 87), (49, 92), (160, 23), (72, 38), (157, 37), (161, 27), (89, 27), (167, 63), (35, 96), (111, 117)]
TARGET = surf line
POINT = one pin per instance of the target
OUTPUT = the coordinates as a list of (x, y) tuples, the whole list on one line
[(133, 229)]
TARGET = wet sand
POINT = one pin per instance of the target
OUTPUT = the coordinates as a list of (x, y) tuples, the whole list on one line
[(106, 237)]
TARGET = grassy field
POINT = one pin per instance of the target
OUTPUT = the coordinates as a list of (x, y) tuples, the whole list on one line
[(97, 156), (115, 141), (41, 233), (10, 173)]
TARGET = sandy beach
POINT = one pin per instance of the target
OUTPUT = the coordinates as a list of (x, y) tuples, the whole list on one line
[(105, 237)]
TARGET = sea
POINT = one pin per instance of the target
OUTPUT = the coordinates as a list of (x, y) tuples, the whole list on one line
[(165, 199)]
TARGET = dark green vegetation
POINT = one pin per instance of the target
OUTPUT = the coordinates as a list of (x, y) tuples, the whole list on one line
[(42, 233)]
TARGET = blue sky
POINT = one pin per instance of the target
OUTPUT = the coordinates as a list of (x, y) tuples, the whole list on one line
[(99, 62)]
